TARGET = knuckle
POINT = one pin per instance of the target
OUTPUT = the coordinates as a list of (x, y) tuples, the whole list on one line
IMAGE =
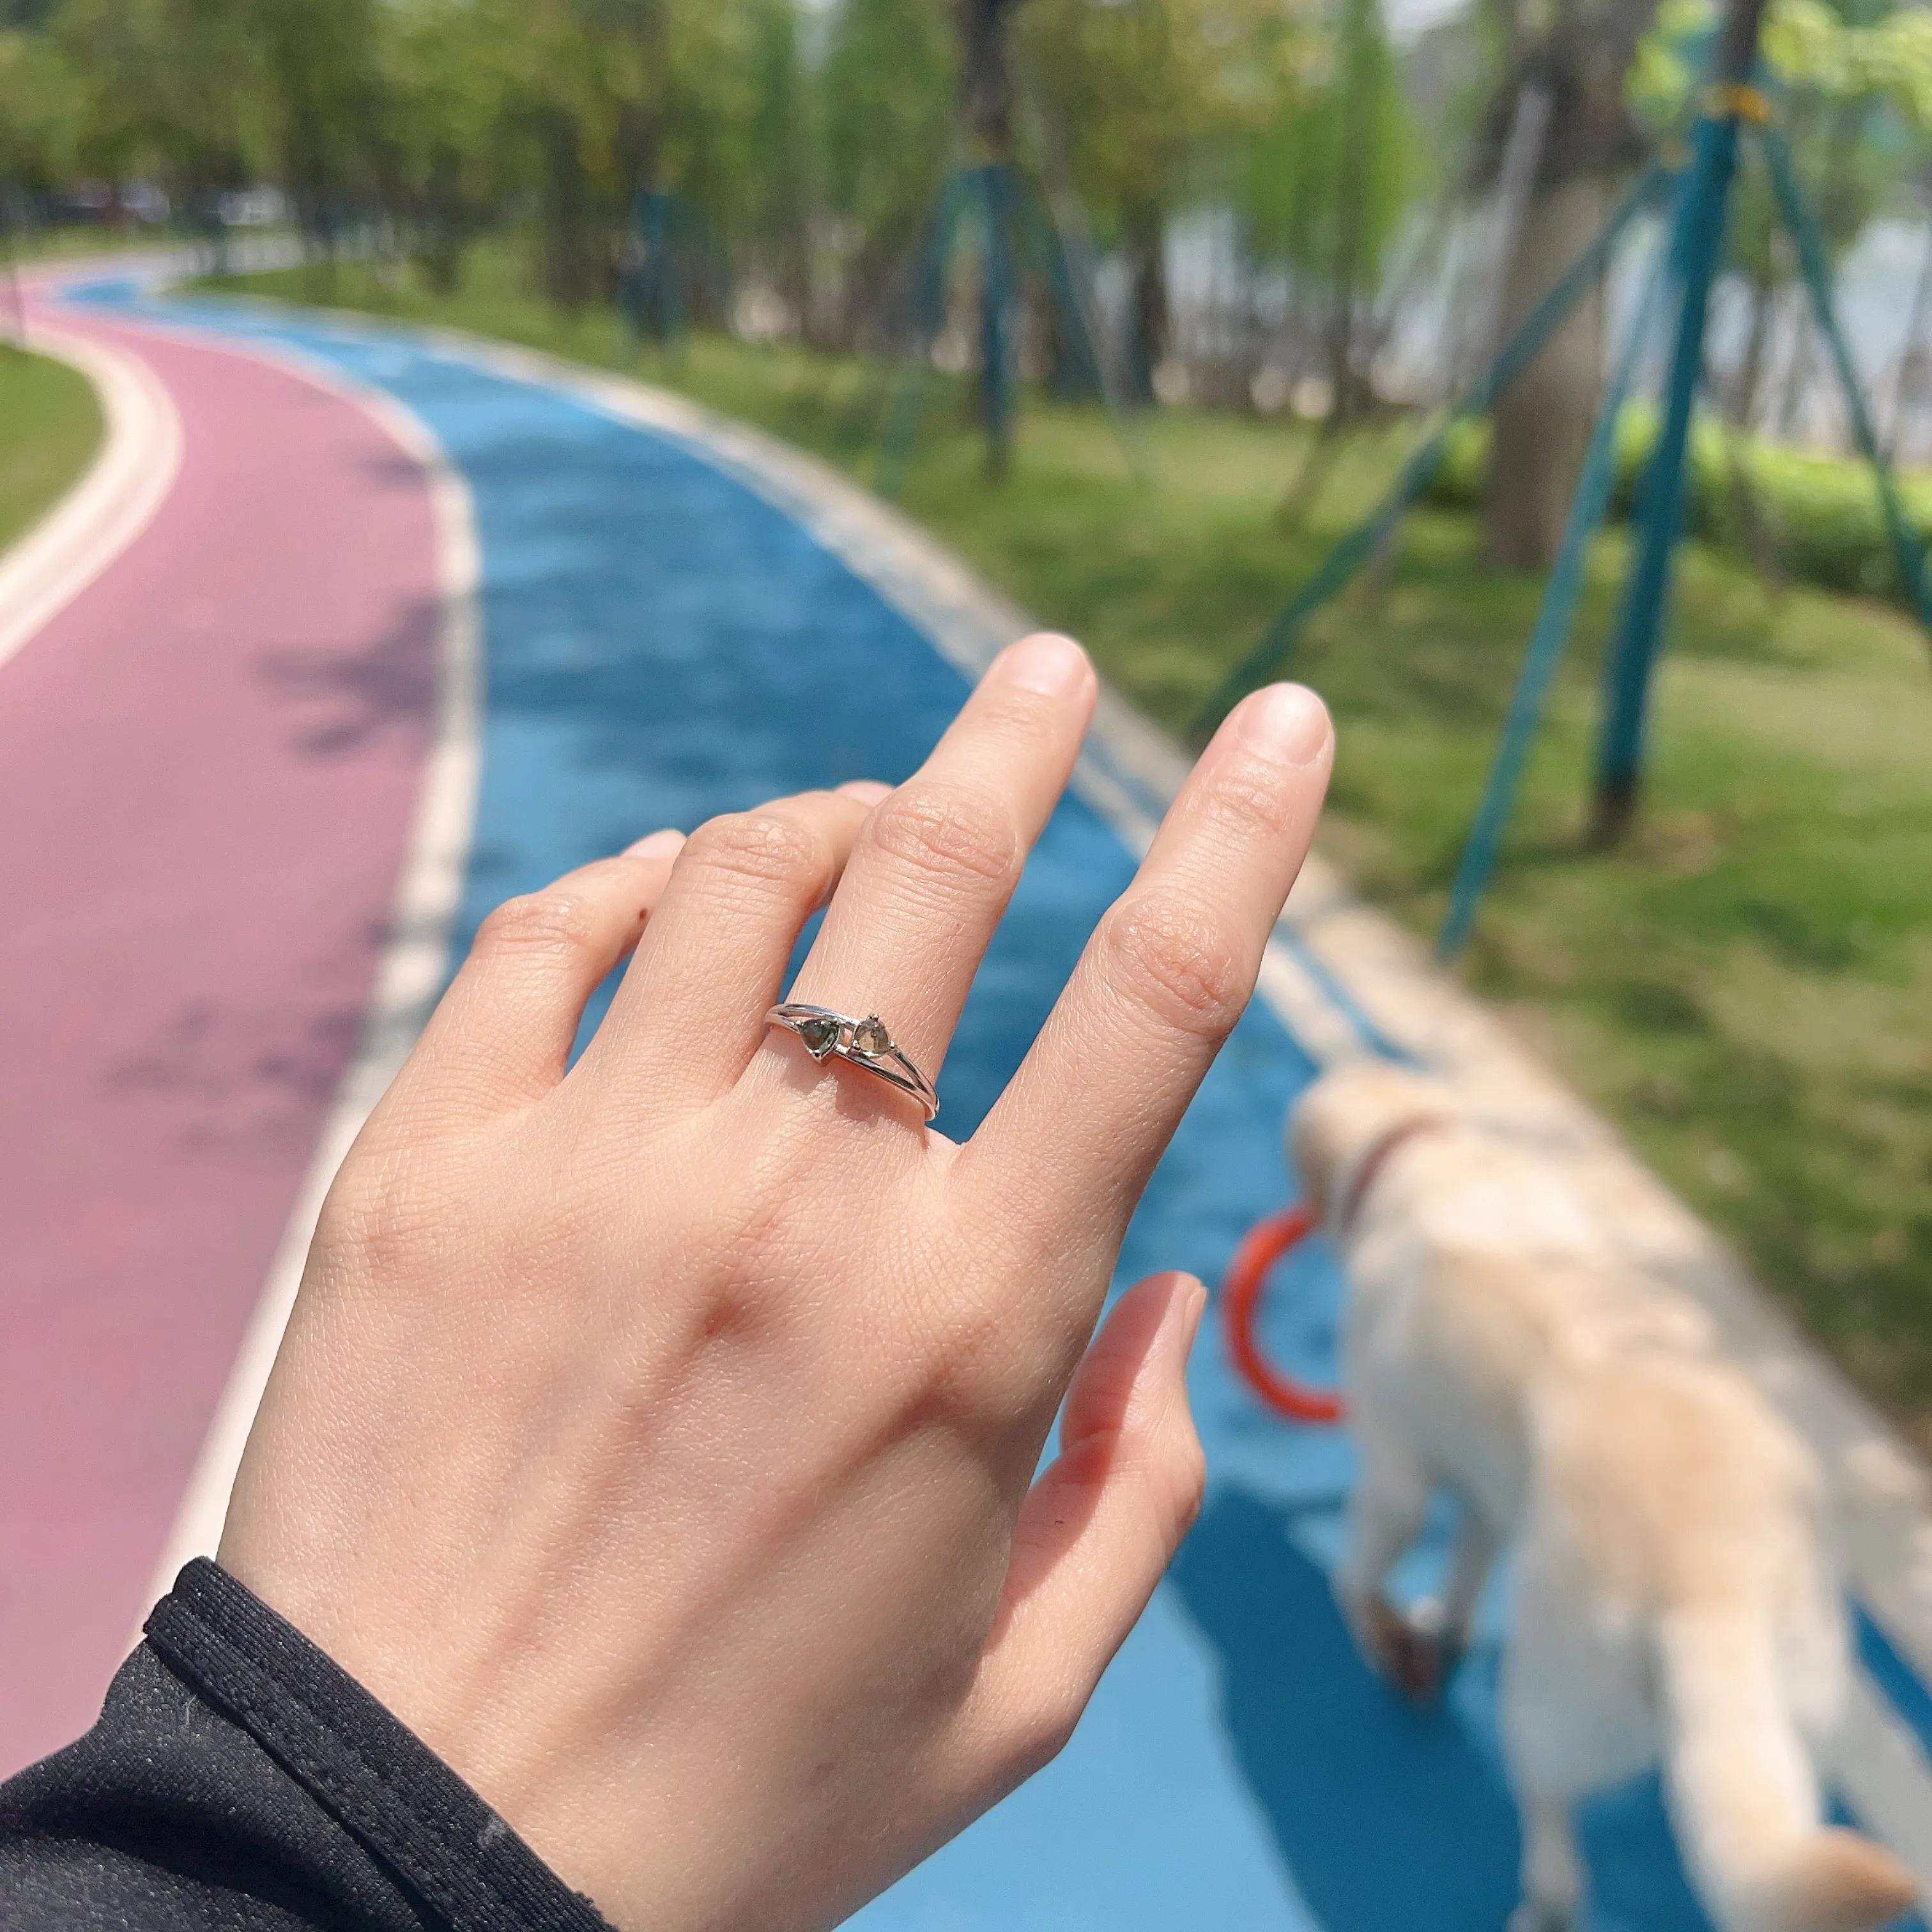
[(764, 847), (1177, 959), (974, 1373), (1249, 800), (947, 831), (548, 922), (378, 1210)]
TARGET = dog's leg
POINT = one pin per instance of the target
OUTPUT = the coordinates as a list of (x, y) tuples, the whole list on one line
[(1552, 1874), (1475, 1550), (1385, 1517)]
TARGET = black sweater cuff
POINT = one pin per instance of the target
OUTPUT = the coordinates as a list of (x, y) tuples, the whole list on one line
[(237, 1776)]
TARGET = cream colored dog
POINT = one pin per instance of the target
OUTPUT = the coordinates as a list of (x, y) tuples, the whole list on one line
[(1674, 1600)]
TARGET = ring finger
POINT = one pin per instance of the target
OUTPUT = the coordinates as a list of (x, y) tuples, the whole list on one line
[(691, 1010)]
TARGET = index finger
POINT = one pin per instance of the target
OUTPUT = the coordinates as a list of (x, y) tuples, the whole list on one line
[(1070, 1144)]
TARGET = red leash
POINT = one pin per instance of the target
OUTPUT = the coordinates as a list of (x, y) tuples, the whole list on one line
[(1264, 1244)]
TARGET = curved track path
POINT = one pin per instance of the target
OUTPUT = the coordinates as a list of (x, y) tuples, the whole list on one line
[(207, 771), (208, 763)]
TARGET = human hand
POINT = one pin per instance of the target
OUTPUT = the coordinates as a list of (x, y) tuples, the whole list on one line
[(658, 1441)]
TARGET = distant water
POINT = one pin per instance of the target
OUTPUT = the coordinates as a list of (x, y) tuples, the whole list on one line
[(1207, 283)]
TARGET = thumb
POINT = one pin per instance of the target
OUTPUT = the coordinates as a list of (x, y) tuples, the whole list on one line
[(1097, 1528)]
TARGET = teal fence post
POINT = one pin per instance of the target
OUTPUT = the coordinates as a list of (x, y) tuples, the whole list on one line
[(1906, 545), (1696, 247), (902, 409), (1360, 543), (1072, 284), (996, 297), (1554, 622)]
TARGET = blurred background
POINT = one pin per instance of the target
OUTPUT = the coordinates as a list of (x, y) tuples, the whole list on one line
[(1141, 305)]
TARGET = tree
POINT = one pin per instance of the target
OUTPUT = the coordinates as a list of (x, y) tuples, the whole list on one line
[(321, 59), (1325, 190), (1579, 63), (40, 109), (1150, 98), (888, 118)]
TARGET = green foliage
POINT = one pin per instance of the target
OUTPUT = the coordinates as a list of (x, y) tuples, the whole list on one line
[(886, 86), (1824, 513), (40, 112), (1325, 189), (1811, 45), (1159, 100)]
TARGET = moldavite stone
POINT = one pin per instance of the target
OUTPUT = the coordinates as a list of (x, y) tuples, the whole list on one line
[(870, 1035), (820, 1036)]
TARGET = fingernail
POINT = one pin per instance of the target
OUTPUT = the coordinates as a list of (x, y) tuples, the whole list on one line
[(867, 791), (1054, 666), (1286, 724), (658, 845), (1182, 1321), (1194, 1306)]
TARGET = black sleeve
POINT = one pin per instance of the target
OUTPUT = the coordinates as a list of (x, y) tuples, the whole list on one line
[(239, 1780)]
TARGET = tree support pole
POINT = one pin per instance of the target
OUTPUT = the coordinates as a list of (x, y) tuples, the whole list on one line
[(908, 396), (1697, 249), (996, 299), (1906, 549), (1554, 622), (1355, 549)]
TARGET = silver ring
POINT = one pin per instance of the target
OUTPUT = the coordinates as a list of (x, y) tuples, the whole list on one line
[(865, 1043)]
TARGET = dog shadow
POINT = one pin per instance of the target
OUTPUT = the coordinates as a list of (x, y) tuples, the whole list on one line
[(1389, 1817)]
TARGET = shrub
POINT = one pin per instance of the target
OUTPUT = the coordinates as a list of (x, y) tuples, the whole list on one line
[(1822, 511)]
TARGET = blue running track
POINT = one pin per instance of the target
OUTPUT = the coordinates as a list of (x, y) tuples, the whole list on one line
[(658, 640)]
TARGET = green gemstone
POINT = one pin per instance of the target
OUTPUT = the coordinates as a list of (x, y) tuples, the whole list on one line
[(821, 1035)]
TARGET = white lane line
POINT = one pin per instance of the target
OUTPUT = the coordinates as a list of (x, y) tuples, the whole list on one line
[(129, 479), (410, 974)]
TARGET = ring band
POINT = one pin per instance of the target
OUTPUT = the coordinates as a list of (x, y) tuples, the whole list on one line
[(828, 1036)]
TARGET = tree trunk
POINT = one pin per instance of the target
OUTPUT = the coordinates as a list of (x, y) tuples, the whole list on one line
[(986, 71), (1909, 376), (1147, 301), (1357, 133), (569, 271), (1542, 421)]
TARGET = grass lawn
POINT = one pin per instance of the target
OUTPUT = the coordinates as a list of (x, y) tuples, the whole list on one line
[(49, 428), (1747, 989)]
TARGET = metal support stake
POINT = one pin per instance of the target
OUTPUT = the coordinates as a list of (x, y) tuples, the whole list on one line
[(1697, 248), (995, 303)]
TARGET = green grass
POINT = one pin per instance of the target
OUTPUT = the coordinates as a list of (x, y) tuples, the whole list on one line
[(1747, 989), (49, 429), (80, 240)]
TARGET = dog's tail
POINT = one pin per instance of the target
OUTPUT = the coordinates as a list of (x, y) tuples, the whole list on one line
[(1744, 1796)]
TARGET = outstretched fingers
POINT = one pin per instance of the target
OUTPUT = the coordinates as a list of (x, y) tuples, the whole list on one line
[(1068, 1148), (1097, 1530)]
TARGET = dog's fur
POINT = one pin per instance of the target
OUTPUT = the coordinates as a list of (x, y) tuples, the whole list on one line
[(1674, 1601)]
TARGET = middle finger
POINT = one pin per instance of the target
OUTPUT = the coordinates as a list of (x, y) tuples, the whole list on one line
[(937, 861)]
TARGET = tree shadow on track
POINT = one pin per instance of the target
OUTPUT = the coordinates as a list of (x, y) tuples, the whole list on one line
[(350, 699)]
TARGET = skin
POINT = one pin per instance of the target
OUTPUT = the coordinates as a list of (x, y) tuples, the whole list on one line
[(660, 1440)]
